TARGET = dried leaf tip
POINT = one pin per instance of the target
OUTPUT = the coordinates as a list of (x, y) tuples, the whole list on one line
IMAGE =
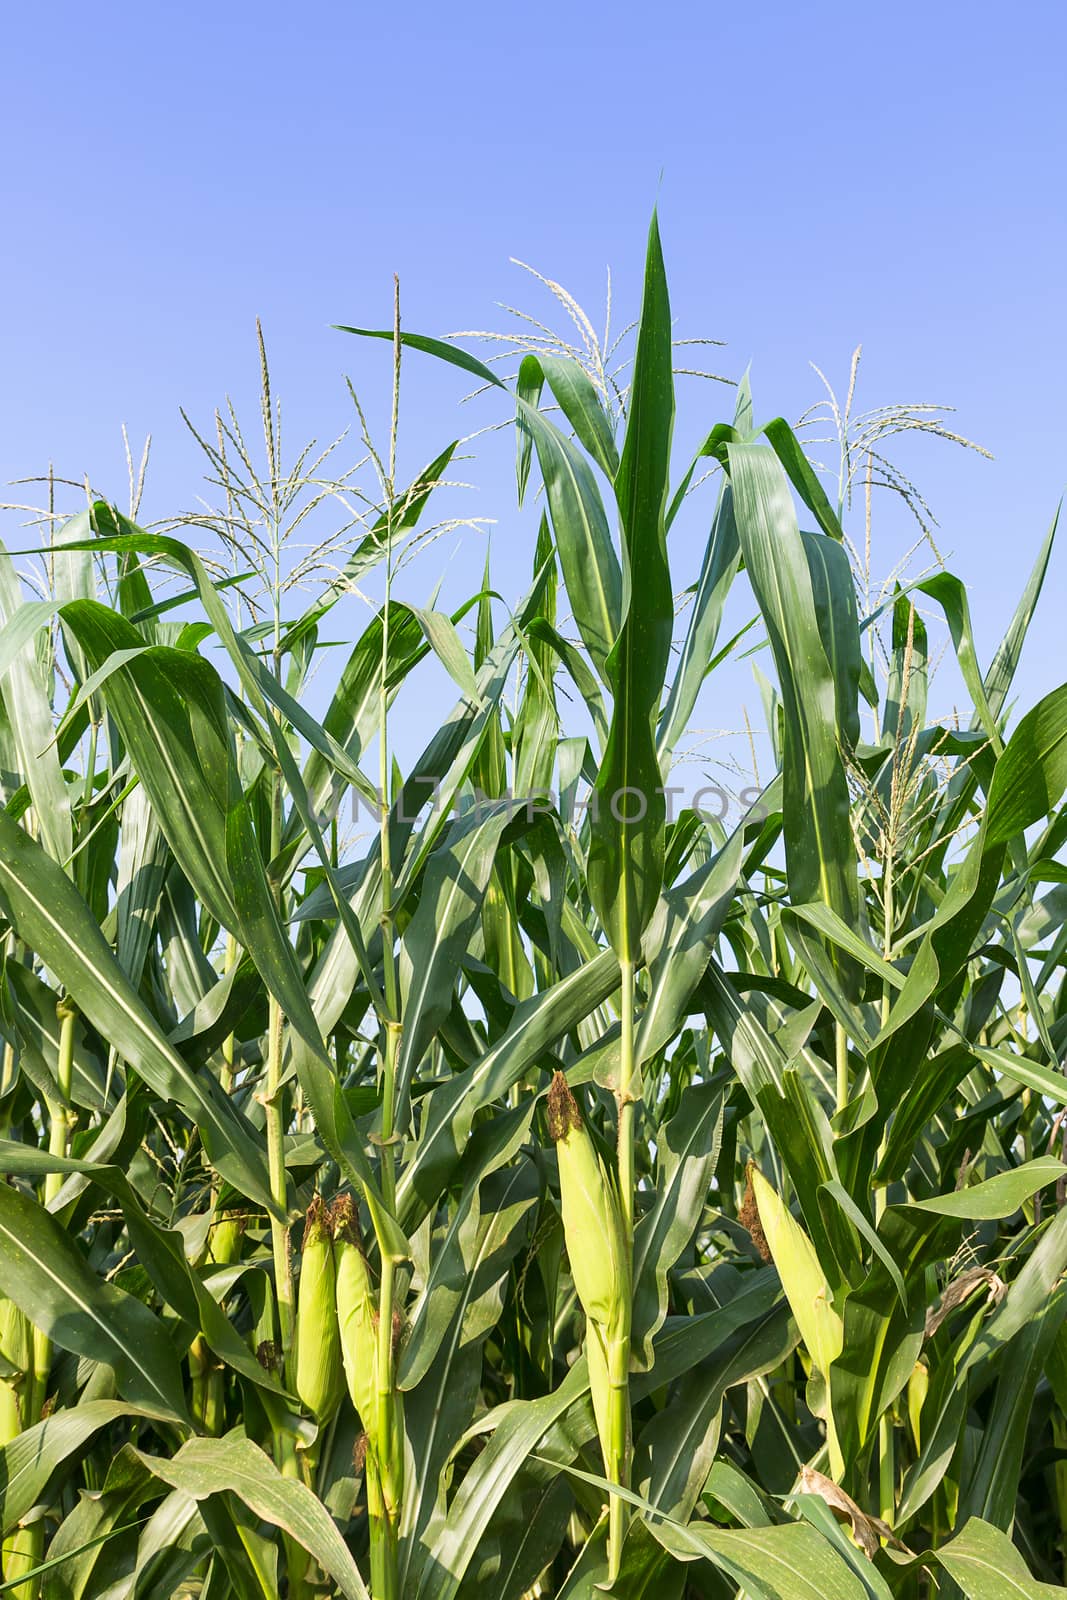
[(563, 1114)]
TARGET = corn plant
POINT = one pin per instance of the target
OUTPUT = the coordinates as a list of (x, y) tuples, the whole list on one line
[(550, 1190)]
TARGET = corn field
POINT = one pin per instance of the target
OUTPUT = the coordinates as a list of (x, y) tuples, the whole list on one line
[(551, 1190)]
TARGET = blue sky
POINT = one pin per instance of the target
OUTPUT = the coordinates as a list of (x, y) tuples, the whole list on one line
[(826, 174)]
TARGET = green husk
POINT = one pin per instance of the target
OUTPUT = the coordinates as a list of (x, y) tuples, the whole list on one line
[(356, 1311), (592, 1225), (317, 1365), (595, 1236)]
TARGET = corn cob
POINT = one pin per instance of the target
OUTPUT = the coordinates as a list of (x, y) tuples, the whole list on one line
[(16, 1336), (208, 1389), (224, 1241), (10, 1413), (317, 1364), (802, 1277), (207, 1403), (382, 1416), (918, 1385), (592, 1225), (600, 1267), (356, 1312), (807, 1291), (16, 1349), (23, 1551)]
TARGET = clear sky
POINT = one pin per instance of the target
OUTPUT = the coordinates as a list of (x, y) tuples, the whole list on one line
[(826, 174)]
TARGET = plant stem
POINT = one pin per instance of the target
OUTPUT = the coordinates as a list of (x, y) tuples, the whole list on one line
[(886, 1467), (886, 1470), (841, 1047), (626, 1100), (389, 1442), (275, 1119), (888, 914), (619, 1454), (619, 1345), (59, 1130), (279, 1227), (229, 1044)]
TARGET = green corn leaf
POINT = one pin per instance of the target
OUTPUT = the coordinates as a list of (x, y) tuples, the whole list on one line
[(587, 556), (1002, 669), (819, 855), (537, 1025), (52, 918), (1031, 776), (46, 1275), (688, 1150), (454, 885), (675, 1450), (169, 707), (28, 1462), (999, 1196), (266, 942), (951, 596), (680, 942), (80, 1556), (834, 594), (25, 690), (792, 1562), (205, 1467), (625, 867), (579, 400), (987, 1566), (719, 568), (992, 1487), (790, 452), (516, 1430), (160, 1251)]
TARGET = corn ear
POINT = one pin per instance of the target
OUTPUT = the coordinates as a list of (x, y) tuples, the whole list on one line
[(592, 1225), (803, 1280), (10, 1413), (224, 1242), (357, 1313), (317, 1365), (207, 1402), (23, 1550), (16, 1351), (16, 1336), (918, 1384)]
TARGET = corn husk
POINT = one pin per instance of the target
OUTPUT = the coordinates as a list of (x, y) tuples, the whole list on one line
[(592, 1225), (317, 1364), (16, 1336), (224, 1241), (357, 1313), (918, 1385), (10, 1413), (23, 1550), (808, 1293), (803, 1280)]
